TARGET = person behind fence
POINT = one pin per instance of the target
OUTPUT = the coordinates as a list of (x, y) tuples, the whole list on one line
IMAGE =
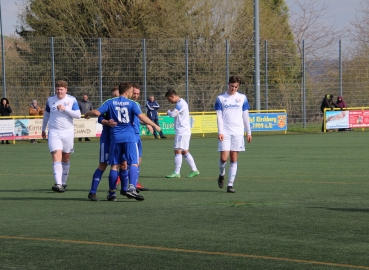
[(342, 104), (152, 112), (85, 106), (60, 111), (5, 110), (35, 110), (327, 103)]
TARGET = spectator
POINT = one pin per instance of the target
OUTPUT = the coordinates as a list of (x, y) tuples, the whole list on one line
[(85, 106), (342, 104), (327, 103), (35, 110), (152, 112), (5, 110)]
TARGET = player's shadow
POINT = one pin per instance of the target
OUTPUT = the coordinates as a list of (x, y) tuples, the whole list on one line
[(180, 190), (362, 210)]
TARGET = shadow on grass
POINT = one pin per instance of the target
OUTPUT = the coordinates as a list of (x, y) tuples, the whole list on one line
[(363, 210)]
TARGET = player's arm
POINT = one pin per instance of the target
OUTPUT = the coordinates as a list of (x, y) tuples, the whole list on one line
[(45, 120), (173, 113), (218, 109), (93, 113), (74, 112), (147, 121), (220, 124), (246, 123), (106, 122)]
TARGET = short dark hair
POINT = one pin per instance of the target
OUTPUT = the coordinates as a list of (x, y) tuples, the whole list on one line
[(115, 88), (135, 85), (124, 87), (61, 83), (234, 79), (171, 92)]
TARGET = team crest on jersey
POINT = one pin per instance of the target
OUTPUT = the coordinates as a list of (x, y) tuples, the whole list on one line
[(66, 103), (238, 100)]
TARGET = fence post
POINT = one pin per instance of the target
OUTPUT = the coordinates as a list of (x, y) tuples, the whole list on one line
[(256, 56), (186, 72), (266, 75), (144, 67), (2, 54), (52, 64), (340, 64), (303, 85), (227, 63), (100, 70)]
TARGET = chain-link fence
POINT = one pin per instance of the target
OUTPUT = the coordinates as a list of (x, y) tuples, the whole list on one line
[(196, 69)]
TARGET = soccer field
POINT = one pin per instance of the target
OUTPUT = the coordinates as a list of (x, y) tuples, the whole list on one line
[(301, 202)]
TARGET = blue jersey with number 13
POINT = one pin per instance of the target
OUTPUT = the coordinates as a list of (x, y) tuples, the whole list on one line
[(122, 111)]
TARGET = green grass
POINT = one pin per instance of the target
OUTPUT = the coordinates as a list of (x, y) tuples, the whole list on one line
[(301, 203)]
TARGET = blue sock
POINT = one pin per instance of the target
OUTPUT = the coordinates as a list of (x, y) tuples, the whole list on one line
[(133, 175), (123, 179), (113, 176), (96, 180), (138, 173)]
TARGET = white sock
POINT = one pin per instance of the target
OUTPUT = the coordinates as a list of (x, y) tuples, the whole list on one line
[(190, 161), (58, 171), (66, 167), (222, 167), (232, 173), (178, 163)]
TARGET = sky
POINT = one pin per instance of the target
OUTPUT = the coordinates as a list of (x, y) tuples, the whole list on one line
[(341, 12)]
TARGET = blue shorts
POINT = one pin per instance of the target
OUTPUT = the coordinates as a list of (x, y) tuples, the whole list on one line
[(104, 150), (120, 152)]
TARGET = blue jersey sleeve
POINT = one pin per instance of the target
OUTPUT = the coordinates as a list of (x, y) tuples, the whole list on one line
[(218, 105), (104, 107), (136, 109), (47, 106), (245, 105), (75, 106)]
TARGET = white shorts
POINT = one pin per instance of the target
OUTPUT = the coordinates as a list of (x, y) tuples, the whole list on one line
[(61, 140), (182, 142), (232, 143)]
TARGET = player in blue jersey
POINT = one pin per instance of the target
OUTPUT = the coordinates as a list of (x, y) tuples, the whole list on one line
[(232, 110), (123, 144), (60, 111), (107, 123)]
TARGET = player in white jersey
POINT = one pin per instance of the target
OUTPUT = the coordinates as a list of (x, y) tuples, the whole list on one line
[(182, 138), (232, 110), (60, 111)]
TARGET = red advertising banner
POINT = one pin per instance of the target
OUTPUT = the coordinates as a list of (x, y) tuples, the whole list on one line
[(359, 118)]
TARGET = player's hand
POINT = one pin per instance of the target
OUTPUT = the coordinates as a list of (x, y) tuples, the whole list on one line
[(249, 138), (43, 135), (157, 128), (220, 137), (60, 107), (87, 116), (112, 123)]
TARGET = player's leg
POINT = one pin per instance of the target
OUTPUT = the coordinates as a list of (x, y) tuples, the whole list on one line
[(224, 148), (103, 163), (237, 144), (177, 158), (139, 187), (185, 145), (68, 148), (115, 159), (132, 156), (56, 146)]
